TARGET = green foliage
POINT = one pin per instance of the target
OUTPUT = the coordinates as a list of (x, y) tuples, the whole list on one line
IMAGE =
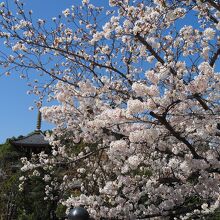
[(31, 201), (26, 217), (5, 149), (215, 216), (8, 152), (60, 211)]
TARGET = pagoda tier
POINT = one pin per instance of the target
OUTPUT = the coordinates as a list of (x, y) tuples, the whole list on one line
[(34, 142)]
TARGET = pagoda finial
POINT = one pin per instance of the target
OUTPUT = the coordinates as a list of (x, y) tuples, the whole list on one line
[(38, 121)]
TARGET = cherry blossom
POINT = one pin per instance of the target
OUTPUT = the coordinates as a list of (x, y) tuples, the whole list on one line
[(135, 104)]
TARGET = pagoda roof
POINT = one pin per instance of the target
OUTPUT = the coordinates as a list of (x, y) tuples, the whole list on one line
[(35, 139)]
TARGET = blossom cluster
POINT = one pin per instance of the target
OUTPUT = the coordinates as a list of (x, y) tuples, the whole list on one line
[(135, 91)]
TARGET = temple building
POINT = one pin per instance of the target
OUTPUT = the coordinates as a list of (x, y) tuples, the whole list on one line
[(34, 142)]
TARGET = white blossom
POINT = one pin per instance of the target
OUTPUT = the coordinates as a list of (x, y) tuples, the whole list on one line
[(209, 33)]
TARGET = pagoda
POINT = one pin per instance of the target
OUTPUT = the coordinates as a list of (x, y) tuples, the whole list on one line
[(34, 142)]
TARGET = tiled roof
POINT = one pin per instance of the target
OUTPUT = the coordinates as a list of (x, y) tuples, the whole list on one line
[(36, 138)]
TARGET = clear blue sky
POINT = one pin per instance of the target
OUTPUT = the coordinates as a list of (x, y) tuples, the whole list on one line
[(15, 118)]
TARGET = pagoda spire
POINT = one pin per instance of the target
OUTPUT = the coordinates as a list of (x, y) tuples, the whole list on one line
[(38, 127)]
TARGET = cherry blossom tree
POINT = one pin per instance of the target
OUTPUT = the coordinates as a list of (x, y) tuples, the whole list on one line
[(137, 113)]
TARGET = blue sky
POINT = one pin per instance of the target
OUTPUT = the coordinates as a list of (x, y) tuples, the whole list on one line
[(15, 117)]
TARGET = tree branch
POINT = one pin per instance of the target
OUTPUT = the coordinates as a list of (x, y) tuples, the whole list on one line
[(213, 4), (214, 58), (150, 48), (164, 122)]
